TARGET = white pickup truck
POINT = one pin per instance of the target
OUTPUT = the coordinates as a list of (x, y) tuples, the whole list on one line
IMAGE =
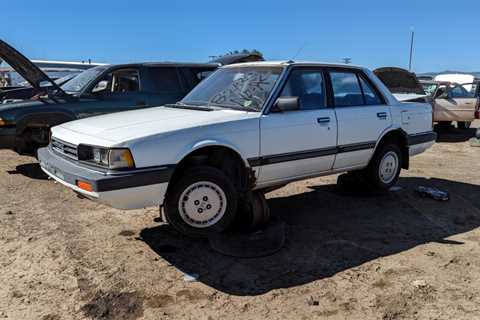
[(246, 129)]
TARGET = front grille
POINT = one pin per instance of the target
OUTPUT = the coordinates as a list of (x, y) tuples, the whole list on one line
[(65, 148)]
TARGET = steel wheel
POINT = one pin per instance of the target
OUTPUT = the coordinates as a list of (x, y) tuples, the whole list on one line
[(202, 204), (387, 170)]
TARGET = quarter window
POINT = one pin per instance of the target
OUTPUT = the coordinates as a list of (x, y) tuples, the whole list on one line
[(308, 86)]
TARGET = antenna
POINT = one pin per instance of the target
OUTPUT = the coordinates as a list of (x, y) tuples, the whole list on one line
[(347, 60), (411, 49), (299, 51)]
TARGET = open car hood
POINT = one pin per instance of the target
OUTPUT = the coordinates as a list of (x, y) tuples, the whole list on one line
[(27, 69), (400, 81)]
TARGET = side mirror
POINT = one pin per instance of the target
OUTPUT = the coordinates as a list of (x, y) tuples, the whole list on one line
[(101, 86), (286, 104)]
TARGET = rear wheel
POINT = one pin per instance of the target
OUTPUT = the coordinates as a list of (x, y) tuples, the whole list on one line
[(203, 201), (464, 125), (384, 169)]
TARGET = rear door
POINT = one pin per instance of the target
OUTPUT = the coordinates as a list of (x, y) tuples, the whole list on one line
[(163, 85), (459, 103), (301, 142), (362, 116)]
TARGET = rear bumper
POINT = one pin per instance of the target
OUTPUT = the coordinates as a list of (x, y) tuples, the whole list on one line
[(7, 138), (420, 142), (134, 189)]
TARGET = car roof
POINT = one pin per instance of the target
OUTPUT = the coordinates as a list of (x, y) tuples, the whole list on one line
[(165, 64), (292, 63)]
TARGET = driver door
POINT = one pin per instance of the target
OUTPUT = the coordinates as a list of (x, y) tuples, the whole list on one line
[(116, 91), (301, 142)]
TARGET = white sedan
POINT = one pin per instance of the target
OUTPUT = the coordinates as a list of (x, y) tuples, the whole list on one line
[(247, 128)]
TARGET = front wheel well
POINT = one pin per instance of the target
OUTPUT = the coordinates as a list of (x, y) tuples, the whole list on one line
[(399, 138), (222, 158)]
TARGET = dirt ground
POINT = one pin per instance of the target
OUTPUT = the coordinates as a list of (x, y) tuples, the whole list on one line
[(394, 256)]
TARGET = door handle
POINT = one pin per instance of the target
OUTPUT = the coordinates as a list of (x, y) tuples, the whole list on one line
[(382, 115), (323, 120)]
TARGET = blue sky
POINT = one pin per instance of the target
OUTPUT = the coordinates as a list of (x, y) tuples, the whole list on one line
[(372, 32)]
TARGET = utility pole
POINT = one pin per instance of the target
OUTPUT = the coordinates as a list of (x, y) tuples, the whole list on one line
[(347, 60), (411, 50)]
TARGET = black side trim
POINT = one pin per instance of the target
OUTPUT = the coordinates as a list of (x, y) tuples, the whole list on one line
[(423, 137), (357, 146), (135, 179), (307, 154)]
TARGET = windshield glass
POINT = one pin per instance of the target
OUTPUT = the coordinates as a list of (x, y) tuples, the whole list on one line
[(82, 80), (237, 88), (430, 88)]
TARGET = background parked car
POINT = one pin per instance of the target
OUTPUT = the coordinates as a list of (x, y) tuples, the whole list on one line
[(451, 101), (25, 126)]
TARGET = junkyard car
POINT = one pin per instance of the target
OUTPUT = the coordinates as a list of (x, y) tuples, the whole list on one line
[(456, 102), (450, 101), (24, 126), (247, 128)]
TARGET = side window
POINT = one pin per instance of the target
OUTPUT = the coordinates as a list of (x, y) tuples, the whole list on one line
[(463, 91), (165, 79), (308, 86), (371, 97), (118, 81), (346, 89)]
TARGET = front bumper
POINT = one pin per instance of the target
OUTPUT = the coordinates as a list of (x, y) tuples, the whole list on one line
[(7, 138), (133, 189)]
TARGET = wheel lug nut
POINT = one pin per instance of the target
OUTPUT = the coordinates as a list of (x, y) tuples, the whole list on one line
[(200, 210), (196, 202), (205, 198), (209, 206)]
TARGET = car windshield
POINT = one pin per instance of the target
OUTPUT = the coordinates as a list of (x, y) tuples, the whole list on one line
[(430, 88), (244, 88), (78, 83)]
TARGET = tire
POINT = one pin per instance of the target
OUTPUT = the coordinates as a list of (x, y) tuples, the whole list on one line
[(463, 125), (202, 202), (253, 213), (384, 169)]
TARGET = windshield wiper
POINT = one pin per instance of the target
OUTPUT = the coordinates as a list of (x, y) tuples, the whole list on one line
[(181, 105)]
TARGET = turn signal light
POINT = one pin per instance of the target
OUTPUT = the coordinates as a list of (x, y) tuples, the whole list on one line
[(85, 185)]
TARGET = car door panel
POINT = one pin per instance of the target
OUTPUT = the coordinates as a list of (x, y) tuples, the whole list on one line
[(301, 142), (361, 115), (297, 143)]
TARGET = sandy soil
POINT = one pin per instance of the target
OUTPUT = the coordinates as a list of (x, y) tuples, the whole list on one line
[(395, 256)]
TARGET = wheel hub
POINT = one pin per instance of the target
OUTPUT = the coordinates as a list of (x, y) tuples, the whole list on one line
[(202, 204), (388, 167)]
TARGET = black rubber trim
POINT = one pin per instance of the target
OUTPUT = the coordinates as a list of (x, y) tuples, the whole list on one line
[(423, 137), (307, 154), (135, 179)]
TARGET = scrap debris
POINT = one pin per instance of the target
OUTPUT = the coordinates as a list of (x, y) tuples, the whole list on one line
[(432, 192)]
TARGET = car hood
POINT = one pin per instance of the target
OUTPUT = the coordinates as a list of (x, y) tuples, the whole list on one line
[(399, 81), (126, 126), (26, 68)]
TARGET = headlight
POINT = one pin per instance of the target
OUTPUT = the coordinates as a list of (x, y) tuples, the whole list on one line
[(2, 122), (118, 158)]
